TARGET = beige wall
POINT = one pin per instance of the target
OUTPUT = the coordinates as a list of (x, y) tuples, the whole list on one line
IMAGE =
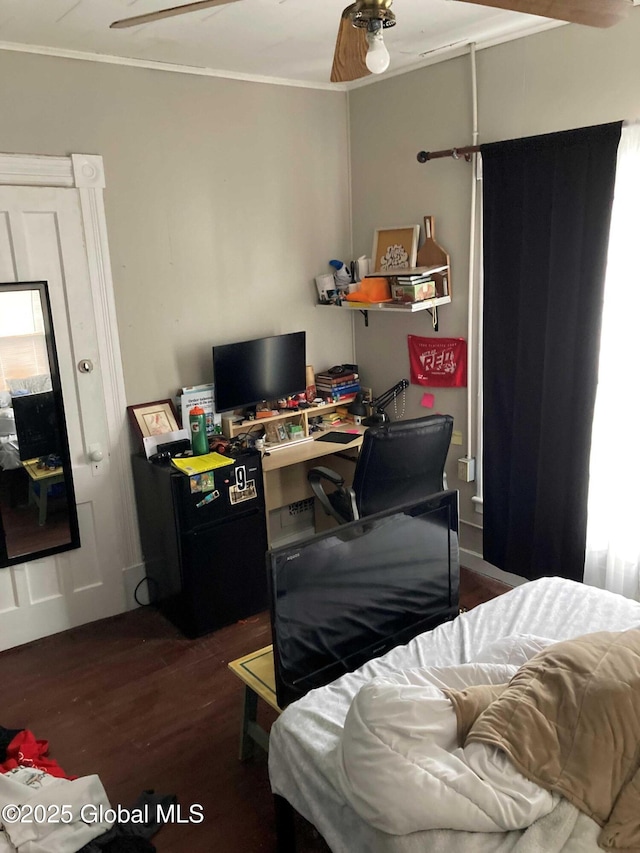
[(224, 199), (567, 77)]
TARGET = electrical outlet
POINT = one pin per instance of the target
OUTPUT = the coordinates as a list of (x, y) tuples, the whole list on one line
[(456, 437), (467, 469)]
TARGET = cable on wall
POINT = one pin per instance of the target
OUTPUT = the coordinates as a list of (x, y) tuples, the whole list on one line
[(472, 255), (469, 153)]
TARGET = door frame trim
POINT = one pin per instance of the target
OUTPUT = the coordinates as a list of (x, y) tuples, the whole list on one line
[(85, 172)]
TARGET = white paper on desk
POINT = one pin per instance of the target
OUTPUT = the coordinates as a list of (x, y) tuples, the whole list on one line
[(203, 396), (151, 442)]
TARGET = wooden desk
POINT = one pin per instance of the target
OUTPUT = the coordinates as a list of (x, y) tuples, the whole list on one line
[(257, 672), (44, 477), (284, 470), (305, 451), (285, 467)]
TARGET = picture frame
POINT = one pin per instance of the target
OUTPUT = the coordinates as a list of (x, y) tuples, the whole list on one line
[(282, 432), (394, 249), (271, 433), (156, 418)]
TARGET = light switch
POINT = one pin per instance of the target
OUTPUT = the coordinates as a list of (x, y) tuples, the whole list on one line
[(456, 437)]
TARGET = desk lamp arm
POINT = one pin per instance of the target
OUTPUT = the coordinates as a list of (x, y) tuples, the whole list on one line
[(380, 403)]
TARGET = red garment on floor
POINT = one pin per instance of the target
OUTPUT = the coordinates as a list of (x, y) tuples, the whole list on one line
[(25, 751)]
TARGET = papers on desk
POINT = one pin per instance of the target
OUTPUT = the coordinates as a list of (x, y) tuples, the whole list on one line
[(153, 442), (285, 444), (200, 464), (203, 396)]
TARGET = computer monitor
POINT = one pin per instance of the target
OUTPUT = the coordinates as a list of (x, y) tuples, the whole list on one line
[(343, 597), (248, 372)]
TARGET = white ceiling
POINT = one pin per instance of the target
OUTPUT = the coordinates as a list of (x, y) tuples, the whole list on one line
[(277, 40)]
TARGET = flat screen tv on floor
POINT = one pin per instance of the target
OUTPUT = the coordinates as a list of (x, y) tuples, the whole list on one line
[(249, 372), (343, 597)]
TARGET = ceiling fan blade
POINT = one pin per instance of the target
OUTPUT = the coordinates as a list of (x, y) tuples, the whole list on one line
[(167, 13), (351, 51), (593, 13)]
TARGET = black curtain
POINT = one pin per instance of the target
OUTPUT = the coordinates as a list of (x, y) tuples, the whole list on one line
[(547, 207)]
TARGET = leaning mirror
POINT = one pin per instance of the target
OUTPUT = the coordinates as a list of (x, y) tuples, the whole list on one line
[(37, 505)]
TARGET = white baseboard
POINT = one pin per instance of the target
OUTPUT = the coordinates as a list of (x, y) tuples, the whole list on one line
[(472, 560)]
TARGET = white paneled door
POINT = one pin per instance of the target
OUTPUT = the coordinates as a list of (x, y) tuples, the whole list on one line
[(45, 234)]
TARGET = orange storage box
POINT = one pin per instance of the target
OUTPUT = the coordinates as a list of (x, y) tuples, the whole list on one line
[(371, 290)]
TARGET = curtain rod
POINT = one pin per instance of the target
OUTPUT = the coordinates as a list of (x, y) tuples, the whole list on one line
[(467, 151)]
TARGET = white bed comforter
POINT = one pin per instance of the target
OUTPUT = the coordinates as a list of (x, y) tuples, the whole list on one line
[(9, 453), (9, 456), (401, 769)]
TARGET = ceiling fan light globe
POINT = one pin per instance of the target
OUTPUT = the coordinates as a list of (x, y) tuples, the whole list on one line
[(378, 58)]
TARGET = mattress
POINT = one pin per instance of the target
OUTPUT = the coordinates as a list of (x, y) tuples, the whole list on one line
[(303, 741)]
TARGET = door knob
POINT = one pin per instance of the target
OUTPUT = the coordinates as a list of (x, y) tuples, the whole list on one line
[(96, 455)]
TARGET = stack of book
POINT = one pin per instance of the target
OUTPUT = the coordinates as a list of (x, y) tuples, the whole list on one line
[(344, 414), (413, 286), (331, 420), (337, 387)]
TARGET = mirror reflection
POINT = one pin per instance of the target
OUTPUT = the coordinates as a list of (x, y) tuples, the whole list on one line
[(37, 504)]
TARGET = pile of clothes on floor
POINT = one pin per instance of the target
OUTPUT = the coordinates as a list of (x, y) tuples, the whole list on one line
[(43, 809)]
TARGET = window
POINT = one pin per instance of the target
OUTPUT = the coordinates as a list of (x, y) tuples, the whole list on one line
[(23, 346)]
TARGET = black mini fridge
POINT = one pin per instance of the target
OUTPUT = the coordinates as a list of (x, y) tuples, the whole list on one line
[(204, 541)]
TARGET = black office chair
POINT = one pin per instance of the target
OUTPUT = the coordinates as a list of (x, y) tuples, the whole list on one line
[(399, 462)]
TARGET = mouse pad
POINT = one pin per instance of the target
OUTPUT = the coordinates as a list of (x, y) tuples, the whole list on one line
[(338, 437)]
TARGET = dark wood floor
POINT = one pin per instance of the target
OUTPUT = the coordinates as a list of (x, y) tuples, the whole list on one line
[(132, 700)]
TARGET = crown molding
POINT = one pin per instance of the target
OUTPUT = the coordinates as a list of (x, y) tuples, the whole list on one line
[(86, 56)]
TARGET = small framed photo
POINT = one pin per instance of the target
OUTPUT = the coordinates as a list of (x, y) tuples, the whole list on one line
[(282, 432), (271, 433), (157, 418), (395, 249)]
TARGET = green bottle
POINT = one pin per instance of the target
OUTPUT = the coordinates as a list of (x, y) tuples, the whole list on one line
[(198, 427)]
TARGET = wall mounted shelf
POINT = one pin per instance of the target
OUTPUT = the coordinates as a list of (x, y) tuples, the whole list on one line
[(430, 305), (432, 260)]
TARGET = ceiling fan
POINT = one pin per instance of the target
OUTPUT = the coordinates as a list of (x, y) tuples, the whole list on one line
[(360, 49)]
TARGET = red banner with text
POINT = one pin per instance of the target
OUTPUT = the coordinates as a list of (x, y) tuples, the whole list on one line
[(438, 362)]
